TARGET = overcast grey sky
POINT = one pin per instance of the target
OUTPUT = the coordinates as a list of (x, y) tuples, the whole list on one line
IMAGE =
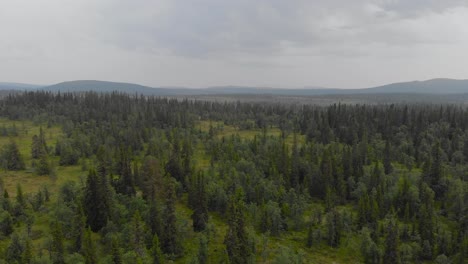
[(198, 43)]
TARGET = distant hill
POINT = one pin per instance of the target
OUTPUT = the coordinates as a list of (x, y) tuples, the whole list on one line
[(272, 91), (434, 86), (102, 86), (17, 86)]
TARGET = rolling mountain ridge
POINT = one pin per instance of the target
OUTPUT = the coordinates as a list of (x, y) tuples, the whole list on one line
[(17, 86), (434, 86)]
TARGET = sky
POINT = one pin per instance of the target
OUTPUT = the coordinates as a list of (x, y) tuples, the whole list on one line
[(265, 43)]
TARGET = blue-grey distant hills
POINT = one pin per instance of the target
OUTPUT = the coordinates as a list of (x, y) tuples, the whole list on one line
[(17, 86), (105, 87), (434, 86)]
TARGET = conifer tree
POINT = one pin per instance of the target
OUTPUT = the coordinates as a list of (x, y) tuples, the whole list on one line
[(58, 247), (200, 211), (39, 145), (392, 243), (334, 226), (170, 243), (154, 218), (15, 249), (202, 255), (156, 253), (96, 202), (126, 183), (435, 174), (12, 158), (20, 199), (387, 162), (369, 248), (43, 166), (6, 223), (426, 221), (116, 251), (138, 231), (89, 248), (150, 181), (236, 240), (27, 255), (78, 227), (310, 236)]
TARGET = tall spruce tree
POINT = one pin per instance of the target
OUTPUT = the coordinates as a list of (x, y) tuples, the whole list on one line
[(39, 145), (236, 240), (156, 252), (392, 243), (170, 242), (200, 210), (387, 160), (335, 227), (58, 246), (96, 202), (126, 183), (89, 248), (12, 158)]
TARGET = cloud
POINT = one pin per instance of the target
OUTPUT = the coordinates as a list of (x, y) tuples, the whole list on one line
[(207, 28), (212, 42)]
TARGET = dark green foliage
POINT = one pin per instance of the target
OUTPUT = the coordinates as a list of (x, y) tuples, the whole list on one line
[(96, 201), (43, 165), (125, 184), (199, 203), (153, 220), (57, 246), (20, 199), (6, 223), (27, 255), (426, 221), (406, 199), (11, 158), (236, 240), (69, 192), (116, 251), (368, 210), (462, 256), (310, 237), (369, 249), (279, 164), (170, 242), (37, 201), (271, 219), (45, 191), (89, 248), (39, 146), (387, 161), (156, 252), (15, 249), (68, 155), (334, 227), (138, 231), (150, 179), (202, 255), (6, 204), (78, 227), (392, 251)]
